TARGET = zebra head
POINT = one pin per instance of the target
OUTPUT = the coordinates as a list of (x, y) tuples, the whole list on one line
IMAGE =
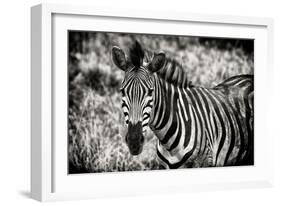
[(137, 91)]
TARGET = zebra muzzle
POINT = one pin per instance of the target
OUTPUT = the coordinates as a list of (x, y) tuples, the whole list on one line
[(135, 138)]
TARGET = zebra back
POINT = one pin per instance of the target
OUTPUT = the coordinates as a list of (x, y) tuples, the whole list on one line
[(239, 92)]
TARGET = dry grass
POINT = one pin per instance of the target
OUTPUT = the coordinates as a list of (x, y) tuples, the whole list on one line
[(96, 132), (96, 142)]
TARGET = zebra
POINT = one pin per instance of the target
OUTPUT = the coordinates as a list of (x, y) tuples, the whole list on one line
[(189, 121)]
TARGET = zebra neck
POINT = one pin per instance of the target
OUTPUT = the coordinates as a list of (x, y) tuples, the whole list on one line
[(172, 121), (164, 111)]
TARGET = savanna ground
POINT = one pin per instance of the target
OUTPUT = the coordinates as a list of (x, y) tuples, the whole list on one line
[(95, 131)]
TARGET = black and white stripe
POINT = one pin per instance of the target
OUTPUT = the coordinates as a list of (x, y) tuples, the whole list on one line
[(194, 121), (137, 97)]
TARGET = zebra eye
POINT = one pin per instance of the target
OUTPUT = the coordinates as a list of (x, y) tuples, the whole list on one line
[(150, 90), (122, 91)]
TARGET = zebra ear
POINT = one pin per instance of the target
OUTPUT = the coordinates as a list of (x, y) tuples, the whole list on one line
[(119, 59), (157, 62)]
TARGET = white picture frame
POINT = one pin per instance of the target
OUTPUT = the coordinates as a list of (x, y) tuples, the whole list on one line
[(49, 179)]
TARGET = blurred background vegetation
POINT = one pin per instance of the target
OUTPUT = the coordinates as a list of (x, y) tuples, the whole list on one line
[(95, 120)]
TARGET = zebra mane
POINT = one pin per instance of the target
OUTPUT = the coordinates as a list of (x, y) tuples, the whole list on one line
[(136, 54), (174, 73)]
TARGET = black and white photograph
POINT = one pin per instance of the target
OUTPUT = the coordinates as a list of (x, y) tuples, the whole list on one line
[(139, 102)]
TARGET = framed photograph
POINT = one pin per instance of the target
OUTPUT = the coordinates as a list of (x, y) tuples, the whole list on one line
[(138, 102)]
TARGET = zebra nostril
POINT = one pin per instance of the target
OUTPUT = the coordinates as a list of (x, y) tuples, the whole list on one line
[(142, 139), (126, 138)]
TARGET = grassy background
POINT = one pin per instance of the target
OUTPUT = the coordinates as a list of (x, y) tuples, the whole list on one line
[(95, 119)]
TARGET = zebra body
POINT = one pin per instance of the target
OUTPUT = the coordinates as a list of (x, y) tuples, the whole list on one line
[(202, 121), (190, 122)]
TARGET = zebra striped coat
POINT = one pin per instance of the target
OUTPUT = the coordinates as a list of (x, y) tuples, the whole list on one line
[(191, 123)]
